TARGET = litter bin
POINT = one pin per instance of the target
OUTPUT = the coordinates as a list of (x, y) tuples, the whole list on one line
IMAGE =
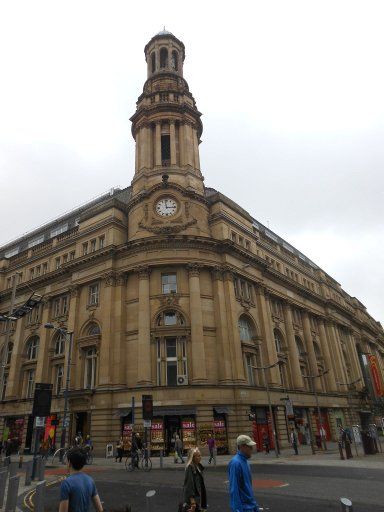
[(318, 440)]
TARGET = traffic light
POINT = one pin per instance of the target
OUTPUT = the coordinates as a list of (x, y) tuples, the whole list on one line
[(147, 402), (42, 399)]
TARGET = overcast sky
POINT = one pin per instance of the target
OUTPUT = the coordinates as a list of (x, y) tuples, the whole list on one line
[(292, 99)]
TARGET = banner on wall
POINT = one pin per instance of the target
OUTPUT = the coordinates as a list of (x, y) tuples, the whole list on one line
[(375, 373)]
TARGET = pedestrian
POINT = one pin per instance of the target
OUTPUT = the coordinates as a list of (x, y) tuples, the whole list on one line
[(8, 447), (78, 490), (178, 450), (119, 449), (307, 434), (266, 442), (347, 441), (136, 448), (242, 497), (194, 492), (211, 447), (293, 440)]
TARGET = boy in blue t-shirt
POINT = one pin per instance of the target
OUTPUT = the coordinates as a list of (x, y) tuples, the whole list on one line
[(78, 490)]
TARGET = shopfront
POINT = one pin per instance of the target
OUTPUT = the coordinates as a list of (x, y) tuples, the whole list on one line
[(325, 423), (300, 422), (261, 427), (166, 424), (13, 431)]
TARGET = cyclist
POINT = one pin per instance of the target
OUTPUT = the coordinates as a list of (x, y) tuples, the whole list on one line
[(136, 448)]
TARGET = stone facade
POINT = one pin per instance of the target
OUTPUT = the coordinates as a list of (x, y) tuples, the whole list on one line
[(172, 289)]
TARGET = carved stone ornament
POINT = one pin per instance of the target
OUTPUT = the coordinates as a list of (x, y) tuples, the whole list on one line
[(217, 273), (167, 229), (143, 271), (170, 299), (246, 304), (74, 290), (193, 269), (113, 278)]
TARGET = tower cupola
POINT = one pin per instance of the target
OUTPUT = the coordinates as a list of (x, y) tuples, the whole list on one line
[(166, 125)]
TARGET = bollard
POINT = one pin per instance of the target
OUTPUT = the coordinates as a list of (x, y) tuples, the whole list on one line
[(40, 497), (150, 499), (13, 488), (28, 472), (161, 458), (12, 470), (346, 505), (35, 466), (41, 469), (3, 483)]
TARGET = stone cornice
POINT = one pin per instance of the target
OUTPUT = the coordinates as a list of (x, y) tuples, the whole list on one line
[(106, 205)]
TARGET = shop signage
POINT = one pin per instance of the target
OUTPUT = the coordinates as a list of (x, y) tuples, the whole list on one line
[(377, 383), (147, 423), (157, 425), (127, 427), (40, 421), (218, 424), (188, 425)]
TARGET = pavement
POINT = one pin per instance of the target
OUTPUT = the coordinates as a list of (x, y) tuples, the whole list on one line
[(330, 458)]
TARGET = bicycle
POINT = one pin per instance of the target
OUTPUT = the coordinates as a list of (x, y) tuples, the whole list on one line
[(139, 460), (57, 455)]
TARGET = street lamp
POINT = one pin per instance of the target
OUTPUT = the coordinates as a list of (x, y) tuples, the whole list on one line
[(69, 336), (264, 369), (321, 429)]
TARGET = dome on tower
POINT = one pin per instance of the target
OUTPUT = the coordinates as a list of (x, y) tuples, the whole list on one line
[(165, 33)]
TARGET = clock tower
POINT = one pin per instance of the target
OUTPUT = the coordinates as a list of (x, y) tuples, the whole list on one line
[(167, 189)]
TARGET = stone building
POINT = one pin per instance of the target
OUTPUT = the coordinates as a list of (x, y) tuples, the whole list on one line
[(172, 289)]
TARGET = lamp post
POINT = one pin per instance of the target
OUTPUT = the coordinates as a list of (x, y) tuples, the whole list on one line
[(69, 336), (321, 429), (264, 369)]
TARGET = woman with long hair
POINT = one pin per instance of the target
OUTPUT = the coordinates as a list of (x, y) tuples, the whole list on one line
[(194, 492)]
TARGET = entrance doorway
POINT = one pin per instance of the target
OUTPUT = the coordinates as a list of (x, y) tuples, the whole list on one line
[(172, 427), (82, 424)]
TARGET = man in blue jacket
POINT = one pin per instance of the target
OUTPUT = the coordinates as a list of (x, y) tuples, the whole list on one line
[(240, 478)]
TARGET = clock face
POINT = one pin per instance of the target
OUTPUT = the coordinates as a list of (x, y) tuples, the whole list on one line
[(166, 207)]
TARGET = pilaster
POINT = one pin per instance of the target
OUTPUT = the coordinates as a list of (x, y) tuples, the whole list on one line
[(310, 350), (293, 354), (144, 326), (199, 371), (330, 376)]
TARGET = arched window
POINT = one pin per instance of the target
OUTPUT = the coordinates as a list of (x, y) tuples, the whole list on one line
[(278, 341), (170, 318), (175, 61), (317, 350), (93, 330), (90, 368), (59, 343), (153, 62), (163, 58), (33, 348), (246, 329), (300, 347)]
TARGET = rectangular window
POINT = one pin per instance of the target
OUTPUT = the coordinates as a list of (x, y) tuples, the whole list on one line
[(59, 378), (38, 270), (9, 282), (168, 283), (72, 256), (90, 368), (165, 150), (93, 245), (101, 242), (233, 237), (85, 248), (248, 245), (56, 308), (64, 305), (93, 294), (57, 263), (30, 383), (173, 363), (250, 371), (65, 258), (31, 273), (59, 230), (45, 268), (36, 241), (4, 387), (241, 240)]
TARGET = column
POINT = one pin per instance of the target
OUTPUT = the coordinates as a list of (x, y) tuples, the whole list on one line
[(333, 341), (181, 144), (105, 350), (118, 360), (42, 366), (293, 353), (222, 340), (330, 377), (236, 352), (144, 328), (339, 351), (158, 144), (196, 149), (148, 146), (199, 372), (76, 369), (138, 150), (143, 146), (188, 144), (172, 141), (310, 350), (268, 344), (15, 376), (351, 348)]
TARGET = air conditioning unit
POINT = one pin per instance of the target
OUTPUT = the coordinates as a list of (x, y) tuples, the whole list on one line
[(182, 380)]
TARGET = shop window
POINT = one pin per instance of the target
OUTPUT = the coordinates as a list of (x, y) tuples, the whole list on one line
[(90, 368), (93, 295), (59, 378), (30, 384), (33, 348), (168, 283)]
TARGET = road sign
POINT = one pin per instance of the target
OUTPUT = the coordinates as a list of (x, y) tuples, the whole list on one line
[(40, 421), (66, 423), (147, 423)]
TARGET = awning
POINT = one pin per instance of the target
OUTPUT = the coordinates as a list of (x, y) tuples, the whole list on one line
[(174, 411), (120, 413), (221, 410)]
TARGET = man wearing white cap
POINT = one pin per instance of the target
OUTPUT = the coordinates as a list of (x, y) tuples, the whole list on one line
[(240, 478)]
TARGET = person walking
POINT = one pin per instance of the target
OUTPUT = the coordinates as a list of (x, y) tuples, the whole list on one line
[(178, 450), (266, 442), (293, 440), (194, 492), (119, 450), (211, 447), (78, 490), (241, 493)]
